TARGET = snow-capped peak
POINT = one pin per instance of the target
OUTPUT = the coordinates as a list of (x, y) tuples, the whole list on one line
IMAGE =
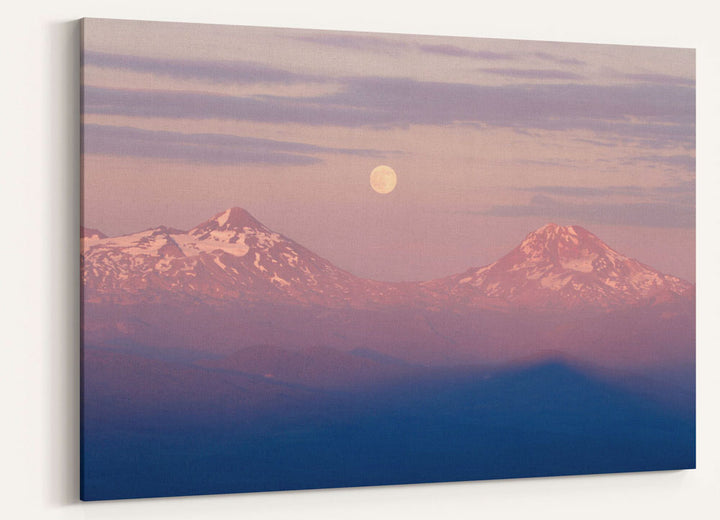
[(563, 245), (232, 256), (564, 266), (234, 230), (550, 232), (235, 218), (227, 257)]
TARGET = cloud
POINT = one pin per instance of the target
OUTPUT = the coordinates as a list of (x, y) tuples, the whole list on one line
[(560, 60), (381, 44), (377, 43), (533, 73), (612, 143), (661, 79), (662, 113), (582, 191), (204, 148), (655, 137), (356, 41), (609, 191), (660, 206), (650, 214), (217, 71), (557, 106), (683, 162), (676, 162), (460, 52), (194, 105)]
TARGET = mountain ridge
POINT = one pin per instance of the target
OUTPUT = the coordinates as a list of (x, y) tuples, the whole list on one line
[(562, 266), (232, 256)]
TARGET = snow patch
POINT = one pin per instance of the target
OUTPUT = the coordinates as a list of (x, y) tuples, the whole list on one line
[(257, 263), (219, 263), (267, 240), (555, 282), (282, 282), (492, 288), (583, 264), (143, 243), (222, 219), (484, 269), (217, 240), (163, 265), (611, 283), (292, 259)]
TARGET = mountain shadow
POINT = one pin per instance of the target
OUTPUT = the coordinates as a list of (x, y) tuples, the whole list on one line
[(544, 419)]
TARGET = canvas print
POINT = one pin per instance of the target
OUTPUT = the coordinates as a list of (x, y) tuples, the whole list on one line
[(316, 259)]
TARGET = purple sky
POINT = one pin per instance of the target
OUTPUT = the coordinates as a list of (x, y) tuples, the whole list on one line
[(490, 139)]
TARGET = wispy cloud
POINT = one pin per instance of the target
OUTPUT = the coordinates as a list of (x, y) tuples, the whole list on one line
[(683, 162), (611, 143), (677, 162), (558, 163), (461, 52), (240, 72), (664, 79), (355, 41), (560, 60), (382, 44), (650, 214), (539, 74), (610, 191), (193, 105), (640, 111), (659, 206), (582, 191), (205, 148)]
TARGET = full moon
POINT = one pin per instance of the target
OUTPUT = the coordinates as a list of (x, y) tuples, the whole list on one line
[(383, 179)]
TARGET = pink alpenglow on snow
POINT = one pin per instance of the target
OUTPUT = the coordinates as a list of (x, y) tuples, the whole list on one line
[(232, 256)]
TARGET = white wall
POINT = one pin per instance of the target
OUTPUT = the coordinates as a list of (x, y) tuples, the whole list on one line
[(38, 461)]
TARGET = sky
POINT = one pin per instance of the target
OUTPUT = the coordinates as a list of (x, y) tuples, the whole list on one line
[(490, 139)]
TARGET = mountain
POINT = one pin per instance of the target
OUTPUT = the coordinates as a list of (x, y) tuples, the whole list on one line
[(229, 257), (231, 350), (561, 267), (313, 367), (158, 429), (232, 257), (91, 233)]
